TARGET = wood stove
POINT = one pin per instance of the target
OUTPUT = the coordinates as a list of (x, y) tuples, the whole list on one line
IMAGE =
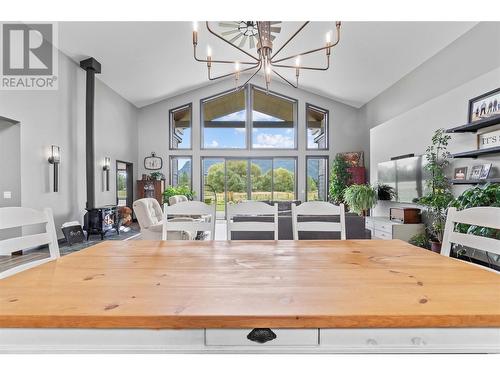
[(101, 220)]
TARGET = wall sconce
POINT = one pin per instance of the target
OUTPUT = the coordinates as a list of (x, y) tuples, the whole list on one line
[(106, 167), (55, 158)]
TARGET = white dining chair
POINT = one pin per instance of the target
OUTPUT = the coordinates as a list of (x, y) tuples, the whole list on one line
[(252, 214), (479, 216), (17, 217), (190, 217), (318, 208)]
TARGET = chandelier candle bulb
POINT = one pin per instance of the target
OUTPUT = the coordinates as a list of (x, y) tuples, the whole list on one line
[(209, 56), (328, 43), (195, 33)]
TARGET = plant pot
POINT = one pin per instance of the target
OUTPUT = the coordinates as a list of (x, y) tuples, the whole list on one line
[(436, 246)]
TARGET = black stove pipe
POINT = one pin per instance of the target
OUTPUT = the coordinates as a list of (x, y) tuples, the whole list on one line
[(92, 67)]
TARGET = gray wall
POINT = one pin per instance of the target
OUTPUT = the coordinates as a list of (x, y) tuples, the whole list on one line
[(403, 118), (346, 134), (58, 117)]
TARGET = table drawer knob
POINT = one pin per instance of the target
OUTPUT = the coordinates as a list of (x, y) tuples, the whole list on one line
[(261, 335), (371, 342)]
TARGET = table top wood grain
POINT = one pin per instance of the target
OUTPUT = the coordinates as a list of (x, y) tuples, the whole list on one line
[(246, 284)]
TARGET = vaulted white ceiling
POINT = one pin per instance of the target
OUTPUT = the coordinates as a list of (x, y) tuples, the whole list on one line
[(148, 61)]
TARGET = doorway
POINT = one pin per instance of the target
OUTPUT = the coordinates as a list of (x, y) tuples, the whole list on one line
[(233, 180), (10, 167), (124, 183)]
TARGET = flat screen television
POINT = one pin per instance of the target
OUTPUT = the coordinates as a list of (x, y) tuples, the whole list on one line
[(407, 176)]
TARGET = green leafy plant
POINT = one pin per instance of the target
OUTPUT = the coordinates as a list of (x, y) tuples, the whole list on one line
[(420, 240), (157, 175), (487, 195), (360, 198), (170, 191), (439, 194), (339, 180), (385, 192)]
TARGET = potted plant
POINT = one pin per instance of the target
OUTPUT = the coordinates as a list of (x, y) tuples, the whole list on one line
[(157, 175), (385, 192), (360, 198), (339, 180), (487, 195), (170, 191), (439, 194)]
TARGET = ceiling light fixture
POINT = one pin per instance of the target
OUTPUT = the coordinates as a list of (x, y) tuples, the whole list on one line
[(265, 60)]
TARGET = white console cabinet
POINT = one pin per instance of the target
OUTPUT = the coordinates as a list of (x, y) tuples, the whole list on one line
[(384, 229)]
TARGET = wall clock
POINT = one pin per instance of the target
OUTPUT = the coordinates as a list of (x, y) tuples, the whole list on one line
[(153, 162)]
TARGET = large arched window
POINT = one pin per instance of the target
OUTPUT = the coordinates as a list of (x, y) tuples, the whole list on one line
[(227, 122)]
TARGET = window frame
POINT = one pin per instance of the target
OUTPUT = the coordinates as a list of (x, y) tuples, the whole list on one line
[(248, 90), (327, 127), (171, 174), (327, 181), (202, 121), (171, 127), (295, 104)]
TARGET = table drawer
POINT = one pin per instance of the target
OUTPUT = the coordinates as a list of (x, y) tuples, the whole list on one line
[(411, 338), (382, 235), (284, 337)]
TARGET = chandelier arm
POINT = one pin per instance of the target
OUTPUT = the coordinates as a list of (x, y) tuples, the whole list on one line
[(329, 46), (221, 61), (304, 67), (228, 42), (284, 79), (290, 39), (232, 73), (253, 75)]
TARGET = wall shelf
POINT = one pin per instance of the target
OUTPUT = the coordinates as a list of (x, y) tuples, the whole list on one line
[(475, 182), (476, 125), (475, 153)]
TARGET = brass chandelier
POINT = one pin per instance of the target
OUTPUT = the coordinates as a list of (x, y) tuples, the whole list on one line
[(266, 60)]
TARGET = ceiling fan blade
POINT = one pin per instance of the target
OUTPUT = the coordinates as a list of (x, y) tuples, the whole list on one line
[(275, 22), (235, 38), (243, 41), (229, 32), (229, 24), (275, 29), (252, 42)]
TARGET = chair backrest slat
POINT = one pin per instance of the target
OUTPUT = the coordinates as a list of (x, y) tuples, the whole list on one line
[(11, 245), (204, 218), (13, 217), (252, 213), (479, 216), (317, 208)]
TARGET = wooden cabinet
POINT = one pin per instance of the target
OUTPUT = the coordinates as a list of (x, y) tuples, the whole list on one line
[(151, 189), (385, 229)]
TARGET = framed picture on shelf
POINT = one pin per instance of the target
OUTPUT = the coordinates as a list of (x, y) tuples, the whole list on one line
[(485, 171), (460, 173), (476, 172), (484, 106)]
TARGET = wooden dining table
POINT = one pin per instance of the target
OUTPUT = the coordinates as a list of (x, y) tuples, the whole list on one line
[(251, 296)]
